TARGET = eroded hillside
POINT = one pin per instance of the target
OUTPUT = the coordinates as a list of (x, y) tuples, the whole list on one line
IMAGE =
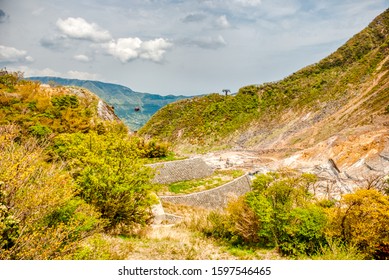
[(336, 109)]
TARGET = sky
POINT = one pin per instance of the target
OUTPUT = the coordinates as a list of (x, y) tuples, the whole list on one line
[(174, 46)]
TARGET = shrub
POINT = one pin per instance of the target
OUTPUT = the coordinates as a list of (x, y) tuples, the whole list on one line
[(110, 175), (304, 231), (361, 219), (65, 101), (287, 213), (40, 131), (9, 80), (33, 193), (279, 212), (152, 148)]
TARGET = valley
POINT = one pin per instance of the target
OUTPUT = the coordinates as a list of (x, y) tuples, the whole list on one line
[(293, 169)]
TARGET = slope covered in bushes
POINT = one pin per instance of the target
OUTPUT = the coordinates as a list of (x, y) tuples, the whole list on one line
[(66, 175), (347, 89)]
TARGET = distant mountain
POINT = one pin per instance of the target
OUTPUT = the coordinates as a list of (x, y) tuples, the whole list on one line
[(134, 108)]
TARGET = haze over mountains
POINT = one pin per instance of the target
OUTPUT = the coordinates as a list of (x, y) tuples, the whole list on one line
[(124, 100)]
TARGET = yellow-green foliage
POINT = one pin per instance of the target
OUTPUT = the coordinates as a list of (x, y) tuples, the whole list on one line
[(40, 217), (66, 175), (152, 148), (210, 117), (218, 178), (41, 112), (281, 212), (109, 174), (102, 247), (362, 219), (8, 81)]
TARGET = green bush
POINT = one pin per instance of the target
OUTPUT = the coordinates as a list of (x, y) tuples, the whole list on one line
[(9, 80), (304, 231), (40, 131), (152, 148), (279, 212), (110, 175), (65, 101), (290, 220)]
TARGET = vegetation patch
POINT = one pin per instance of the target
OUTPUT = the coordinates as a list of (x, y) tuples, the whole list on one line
[(220, 177), (282, 213)]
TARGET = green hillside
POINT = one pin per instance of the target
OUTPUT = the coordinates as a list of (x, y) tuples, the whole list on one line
[(123, 99), (321, 94)]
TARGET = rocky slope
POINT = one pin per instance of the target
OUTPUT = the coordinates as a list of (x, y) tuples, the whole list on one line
[(44, 111), (330, 118)]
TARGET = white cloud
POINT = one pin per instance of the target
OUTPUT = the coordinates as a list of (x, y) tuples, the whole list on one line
[(29, 58), (222, 22), (81, 75), (154, 49), (124, 49), (79, 28), (12, 55), (127, 49), (82, 58)]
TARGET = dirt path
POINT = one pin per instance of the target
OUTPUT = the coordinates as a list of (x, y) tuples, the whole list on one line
[(180, 243), (176, 243)]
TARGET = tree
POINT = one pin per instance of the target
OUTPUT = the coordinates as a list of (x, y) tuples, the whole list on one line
[(110, 175), (288, 215), (362, 219)]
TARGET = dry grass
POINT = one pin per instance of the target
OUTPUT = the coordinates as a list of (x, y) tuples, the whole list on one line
[(175, 243), (103, 247), (184, 241)]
